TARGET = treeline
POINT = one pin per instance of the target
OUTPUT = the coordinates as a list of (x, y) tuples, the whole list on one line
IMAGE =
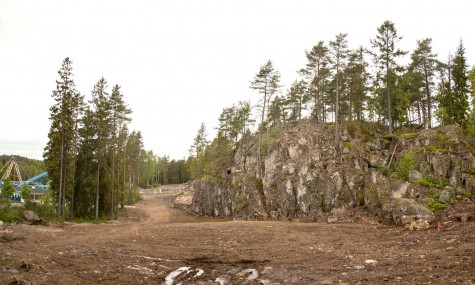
[(94, 162), (339, 85), (28, 167)]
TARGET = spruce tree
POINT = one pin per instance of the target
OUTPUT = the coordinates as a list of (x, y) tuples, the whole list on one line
[(385, 56), (61, 149), (460, 89)]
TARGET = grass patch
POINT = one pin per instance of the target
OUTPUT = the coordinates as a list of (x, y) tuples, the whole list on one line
[(348, 145), (408, 136), (441, 138), (432, 149)]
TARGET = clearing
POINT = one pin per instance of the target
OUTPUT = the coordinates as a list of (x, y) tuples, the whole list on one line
[(154, 243)]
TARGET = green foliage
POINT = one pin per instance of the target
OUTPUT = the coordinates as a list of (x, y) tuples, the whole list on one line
[(360, 196), (348, 145), (46, 207), (405, 165), (435, 206), (258, 183), (408, 136), (434, 149), (9, 214), (26, 195), (429, 182), (441, 137), (29, 167), (454, 91), (466, 194), (311, 165), (317, 73), (198, 152), (320, 203), (7, 190), (385, 56)]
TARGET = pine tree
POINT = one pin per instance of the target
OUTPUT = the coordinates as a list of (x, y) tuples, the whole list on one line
[(357, 84), (297, 99), (266, 82), (316, 73), (339, 52), (385, 59), (422, 69)]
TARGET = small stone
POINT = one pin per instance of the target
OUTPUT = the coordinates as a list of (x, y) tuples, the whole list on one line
[(414, 175), (267, 270), (371, 262), (332, 220), (444, 197), (326, 282), (359, 267)]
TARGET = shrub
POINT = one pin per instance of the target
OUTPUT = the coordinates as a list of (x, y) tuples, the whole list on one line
[(405, 165), (435, 206), (429, 182), (9, 214)]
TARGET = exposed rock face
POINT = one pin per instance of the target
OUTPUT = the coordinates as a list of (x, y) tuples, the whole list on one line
[(302, 176)]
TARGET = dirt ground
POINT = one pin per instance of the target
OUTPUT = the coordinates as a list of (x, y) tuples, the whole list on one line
[(154, 243)]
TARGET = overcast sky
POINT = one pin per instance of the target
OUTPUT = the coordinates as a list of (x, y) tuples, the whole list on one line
[(181, 62)]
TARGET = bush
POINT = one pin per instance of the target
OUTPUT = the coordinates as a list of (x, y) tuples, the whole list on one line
[(9, 214), (46, 207), (435, 206), (429, 182), (406, 164)]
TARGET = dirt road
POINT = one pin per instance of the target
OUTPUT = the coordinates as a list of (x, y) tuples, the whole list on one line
[(153, 243)]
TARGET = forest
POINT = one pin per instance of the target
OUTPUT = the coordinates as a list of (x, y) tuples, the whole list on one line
[(96, 164), (338, 85)]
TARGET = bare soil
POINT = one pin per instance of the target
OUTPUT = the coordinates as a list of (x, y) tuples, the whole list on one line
[(154, 243)]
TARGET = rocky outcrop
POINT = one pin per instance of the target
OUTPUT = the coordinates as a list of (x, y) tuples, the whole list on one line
[(303, 175)]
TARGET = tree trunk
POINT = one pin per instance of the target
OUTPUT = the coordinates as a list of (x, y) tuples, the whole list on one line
[(97, 192), (60, 194)]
